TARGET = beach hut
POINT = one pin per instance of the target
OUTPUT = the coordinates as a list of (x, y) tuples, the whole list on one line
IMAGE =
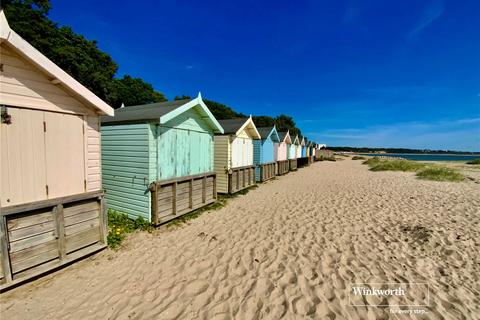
[(234, 155), (281, 152), (51, 200), (263, 153), (298, 147), (158, 159), (303, 160), (292, 153)]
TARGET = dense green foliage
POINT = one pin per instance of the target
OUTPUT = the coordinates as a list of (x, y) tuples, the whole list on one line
[(79, 57), (423, 170), (358, 158), (95, 69)]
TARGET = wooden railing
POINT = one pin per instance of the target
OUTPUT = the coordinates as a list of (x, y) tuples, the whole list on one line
[(175, 197), (40, 236), (293, 164), (240, 178), (267, 171), (283, 167)]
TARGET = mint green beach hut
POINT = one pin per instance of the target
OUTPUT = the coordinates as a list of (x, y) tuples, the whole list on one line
[(158, 159)]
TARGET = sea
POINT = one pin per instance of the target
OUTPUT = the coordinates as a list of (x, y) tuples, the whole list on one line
[(427, 157)]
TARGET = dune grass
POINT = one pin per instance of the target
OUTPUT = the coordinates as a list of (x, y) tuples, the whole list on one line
[(474, 161), (358, 158), (423, 171), (437, 173)]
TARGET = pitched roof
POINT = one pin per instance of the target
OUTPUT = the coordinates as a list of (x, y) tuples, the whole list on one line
[(163, 112), (34, 56), (231, 126), (266, 132), (284, 135), (151, 111), (235, 126)]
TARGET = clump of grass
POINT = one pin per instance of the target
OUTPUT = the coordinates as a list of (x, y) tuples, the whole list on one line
[(119, 225), (358, 158), (397, 165), (424, 171), (474, 161), (322, 158), (437, 173)]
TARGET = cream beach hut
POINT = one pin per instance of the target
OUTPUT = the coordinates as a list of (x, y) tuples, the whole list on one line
[(234, 164), (158, 159), (281, 152), (51, 199), (292, 152)]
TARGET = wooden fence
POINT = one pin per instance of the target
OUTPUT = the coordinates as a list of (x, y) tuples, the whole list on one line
[(44, 235), (302, 162), (175, 197), (240, 178), (282, 167), (293, 164), (267, 171)]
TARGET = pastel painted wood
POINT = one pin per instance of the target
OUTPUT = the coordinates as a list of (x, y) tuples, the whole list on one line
[(263, 153), (51, 202), (234, 155), (147, 145)]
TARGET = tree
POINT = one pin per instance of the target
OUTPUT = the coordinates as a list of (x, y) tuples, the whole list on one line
[(284, 122), (263, 121), (133, 91), (76, 55), (221, 111)]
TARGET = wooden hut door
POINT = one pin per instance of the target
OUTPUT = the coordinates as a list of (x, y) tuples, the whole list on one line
[(22, 157), (65, 154)]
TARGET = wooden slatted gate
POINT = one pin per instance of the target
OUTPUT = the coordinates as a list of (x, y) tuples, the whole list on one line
[(293, 164), (240, 178), (175, 197), (282, 167), (267, 171), (40, 236)]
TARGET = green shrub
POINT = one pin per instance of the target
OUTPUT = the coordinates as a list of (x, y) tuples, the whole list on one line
[(437, 173), (474, 161), (119, 225), (358, 158)]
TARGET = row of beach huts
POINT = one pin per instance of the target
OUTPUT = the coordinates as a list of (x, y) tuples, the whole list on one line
[(66, 157)]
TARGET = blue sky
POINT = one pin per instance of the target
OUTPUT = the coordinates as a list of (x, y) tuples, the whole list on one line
[(354, 72)]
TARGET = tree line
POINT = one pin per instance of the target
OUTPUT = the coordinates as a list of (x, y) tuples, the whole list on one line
[(95, 69)]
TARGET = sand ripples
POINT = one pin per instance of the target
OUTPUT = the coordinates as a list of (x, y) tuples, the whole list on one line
[(289, 249)]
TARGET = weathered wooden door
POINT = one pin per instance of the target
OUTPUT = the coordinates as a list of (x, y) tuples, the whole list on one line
[(22, 157), (65, 154), (42, 156)]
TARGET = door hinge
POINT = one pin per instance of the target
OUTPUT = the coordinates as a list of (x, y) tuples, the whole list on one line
[(44, 126), (83, 128), (46, 189), (85, 184)]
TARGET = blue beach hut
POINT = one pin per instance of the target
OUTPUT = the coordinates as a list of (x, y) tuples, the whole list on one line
[(263, 153)]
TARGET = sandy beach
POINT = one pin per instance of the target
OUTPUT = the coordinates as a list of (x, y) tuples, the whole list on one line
[(290, 248)]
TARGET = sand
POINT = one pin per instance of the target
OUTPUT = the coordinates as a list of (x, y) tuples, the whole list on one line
[(288, 249)]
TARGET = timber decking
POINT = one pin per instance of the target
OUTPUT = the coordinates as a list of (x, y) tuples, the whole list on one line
[(175, 197), (240, 178), (282, 167), (293, 164), (267, 171), (40, 236)]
